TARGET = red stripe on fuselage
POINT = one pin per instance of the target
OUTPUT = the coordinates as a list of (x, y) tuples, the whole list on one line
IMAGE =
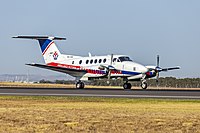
[(91, 71), (47, 48), (63, 65)]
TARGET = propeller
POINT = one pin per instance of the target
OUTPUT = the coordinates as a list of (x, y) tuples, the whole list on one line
[(159, 69), (155, 70)]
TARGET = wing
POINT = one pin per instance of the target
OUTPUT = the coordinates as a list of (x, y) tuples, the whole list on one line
[(70, 71)]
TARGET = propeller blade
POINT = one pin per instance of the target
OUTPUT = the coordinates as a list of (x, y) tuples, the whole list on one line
[(158, 60), (109, 70), (111, 61), (158, 69), (109, 74), (170, 68), (157, 77)]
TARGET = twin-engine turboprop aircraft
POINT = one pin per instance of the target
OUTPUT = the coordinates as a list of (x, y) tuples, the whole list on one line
[(94, 67)]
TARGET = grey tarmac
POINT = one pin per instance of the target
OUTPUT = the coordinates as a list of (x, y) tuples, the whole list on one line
[(102, 92)]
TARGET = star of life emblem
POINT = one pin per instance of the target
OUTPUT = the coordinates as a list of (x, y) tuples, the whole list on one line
[(55, 55)]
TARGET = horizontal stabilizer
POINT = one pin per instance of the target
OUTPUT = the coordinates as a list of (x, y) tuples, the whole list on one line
[(40, 37)]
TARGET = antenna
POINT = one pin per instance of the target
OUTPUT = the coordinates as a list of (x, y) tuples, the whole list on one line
[(89, 54)]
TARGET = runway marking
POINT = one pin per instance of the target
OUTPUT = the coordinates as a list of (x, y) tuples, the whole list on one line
[(102, 95)]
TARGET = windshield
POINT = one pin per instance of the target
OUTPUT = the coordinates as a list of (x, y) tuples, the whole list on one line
[(124, 58)]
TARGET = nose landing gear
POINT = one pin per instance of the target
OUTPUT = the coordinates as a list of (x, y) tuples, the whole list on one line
[(144, 85)]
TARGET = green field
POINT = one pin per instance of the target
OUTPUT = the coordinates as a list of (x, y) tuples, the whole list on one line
[(88, 114)]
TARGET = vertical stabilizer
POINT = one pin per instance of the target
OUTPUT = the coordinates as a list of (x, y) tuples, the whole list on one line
[(48, 47)]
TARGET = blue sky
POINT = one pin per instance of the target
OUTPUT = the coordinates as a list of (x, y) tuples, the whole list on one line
[(139, 28)]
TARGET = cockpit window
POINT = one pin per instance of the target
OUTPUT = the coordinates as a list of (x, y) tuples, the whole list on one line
[(115, 59), (124, 58)]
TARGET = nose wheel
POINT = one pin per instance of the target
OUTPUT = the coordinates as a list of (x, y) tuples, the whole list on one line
[(80, 85), (144, 85), (127, 86)]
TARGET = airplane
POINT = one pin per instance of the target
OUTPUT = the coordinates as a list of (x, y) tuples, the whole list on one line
[(94, 67)]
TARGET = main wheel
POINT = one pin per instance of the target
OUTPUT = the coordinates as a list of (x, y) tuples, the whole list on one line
[(127, 86), (80, 85), (144, 85)]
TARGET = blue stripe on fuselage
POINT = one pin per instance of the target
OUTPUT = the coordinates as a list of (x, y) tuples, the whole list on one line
[(130, 73), (44, 43)]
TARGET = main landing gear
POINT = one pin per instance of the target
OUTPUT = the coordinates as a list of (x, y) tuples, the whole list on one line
[(80, 85), (127, 85)]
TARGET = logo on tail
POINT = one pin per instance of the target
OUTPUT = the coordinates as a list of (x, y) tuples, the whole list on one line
[(55, 55)]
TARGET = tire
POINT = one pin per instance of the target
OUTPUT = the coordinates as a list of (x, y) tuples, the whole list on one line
[(80, 85), (144, 85), (127, 86)]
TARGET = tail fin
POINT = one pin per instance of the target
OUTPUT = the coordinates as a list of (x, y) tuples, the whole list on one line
[(48, 47)]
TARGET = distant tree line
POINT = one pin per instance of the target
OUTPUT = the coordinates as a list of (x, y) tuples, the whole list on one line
[(163, 82), (177, 83), (57, 81)]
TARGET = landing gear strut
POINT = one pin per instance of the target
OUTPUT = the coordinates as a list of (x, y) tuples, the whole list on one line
[(127, 85), (80, 85)]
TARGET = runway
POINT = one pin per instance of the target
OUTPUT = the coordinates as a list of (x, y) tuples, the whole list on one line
[(113, 93)]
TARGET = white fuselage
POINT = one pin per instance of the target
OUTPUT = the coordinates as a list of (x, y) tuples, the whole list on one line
[(122, 66)]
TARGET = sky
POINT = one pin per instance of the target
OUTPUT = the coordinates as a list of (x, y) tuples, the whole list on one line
[(138, 28)]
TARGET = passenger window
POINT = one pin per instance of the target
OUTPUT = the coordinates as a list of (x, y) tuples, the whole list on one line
[(91, 61), (104, 60), (80, 62), (95, 61), (100, 60), (87, 61), (134, 68), (72, 62)]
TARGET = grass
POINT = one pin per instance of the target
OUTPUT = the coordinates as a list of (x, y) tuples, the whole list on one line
[(92, 114)]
